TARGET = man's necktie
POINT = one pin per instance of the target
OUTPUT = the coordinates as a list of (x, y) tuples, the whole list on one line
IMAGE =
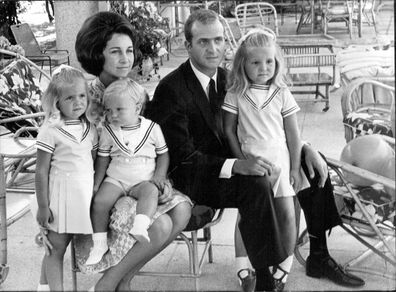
[(215, 106), (213, 96)]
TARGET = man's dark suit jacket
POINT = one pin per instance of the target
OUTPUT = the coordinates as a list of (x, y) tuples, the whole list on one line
[(197, 148)]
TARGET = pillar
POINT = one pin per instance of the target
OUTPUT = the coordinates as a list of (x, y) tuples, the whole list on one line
[(69, 16)]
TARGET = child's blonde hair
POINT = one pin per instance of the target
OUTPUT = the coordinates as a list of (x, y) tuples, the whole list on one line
[(63, 78), (238, 81), (126, 88)]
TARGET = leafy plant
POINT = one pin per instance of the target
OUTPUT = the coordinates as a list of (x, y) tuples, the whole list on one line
[(8, 16), (150, 27)]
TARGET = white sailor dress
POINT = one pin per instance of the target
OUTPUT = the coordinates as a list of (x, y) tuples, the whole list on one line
[(133, 150), (260, 130), (71, 174)]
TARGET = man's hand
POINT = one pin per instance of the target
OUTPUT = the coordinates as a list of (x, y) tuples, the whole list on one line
[(314, 162), (252, 166)]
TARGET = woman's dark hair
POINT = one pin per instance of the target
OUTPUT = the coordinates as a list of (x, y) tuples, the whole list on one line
[(93, 36)]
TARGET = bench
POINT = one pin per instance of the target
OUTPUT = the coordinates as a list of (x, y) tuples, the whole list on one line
[(310, 67)]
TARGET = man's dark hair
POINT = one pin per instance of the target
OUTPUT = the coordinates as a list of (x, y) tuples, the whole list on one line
[(204, 16)]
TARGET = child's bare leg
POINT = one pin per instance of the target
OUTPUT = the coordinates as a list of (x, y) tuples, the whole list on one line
[(103, 201), (43, 283), (54, 262), (287, 220), (146, 194)]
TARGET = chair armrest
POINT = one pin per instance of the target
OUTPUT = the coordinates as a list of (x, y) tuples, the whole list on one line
[(362, 173), (22, 117), (216, 219), (38, 56), (56, 51)]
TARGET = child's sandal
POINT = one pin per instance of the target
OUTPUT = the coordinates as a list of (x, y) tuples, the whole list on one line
[(278, 284)]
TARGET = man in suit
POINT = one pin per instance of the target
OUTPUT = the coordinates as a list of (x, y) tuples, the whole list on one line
[(187, 108)]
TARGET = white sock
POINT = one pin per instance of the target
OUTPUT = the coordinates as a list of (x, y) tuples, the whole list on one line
[(242, 263), (99, 239), (43, 287), (142, 221), (286, 265)]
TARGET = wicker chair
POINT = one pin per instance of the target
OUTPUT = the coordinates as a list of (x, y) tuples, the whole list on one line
[(19, 112), (366, 108), (307, 66), (337, 11), (250, 15)]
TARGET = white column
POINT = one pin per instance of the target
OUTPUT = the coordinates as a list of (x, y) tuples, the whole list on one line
[(69, 16)]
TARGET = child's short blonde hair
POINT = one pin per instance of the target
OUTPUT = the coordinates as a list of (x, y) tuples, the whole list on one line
[(126, 88), (238, 81), (64, 77)]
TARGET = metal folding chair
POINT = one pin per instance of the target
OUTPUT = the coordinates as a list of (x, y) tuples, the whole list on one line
[(24, 36)]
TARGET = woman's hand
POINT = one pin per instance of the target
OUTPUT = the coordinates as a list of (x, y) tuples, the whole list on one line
[(316, 163), (165, 188)]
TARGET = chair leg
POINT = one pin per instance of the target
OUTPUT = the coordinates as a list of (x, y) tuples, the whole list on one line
[(42, 66), (373, 18), (194, 239), (327, 106), (208, 237)]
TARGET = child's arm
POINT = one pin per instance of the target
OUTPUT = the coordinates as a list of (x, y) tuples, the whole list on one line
[(93, 153), (101, 164), (43, 165), (230, 129), (161, 165), (161, 169), (294, 144)]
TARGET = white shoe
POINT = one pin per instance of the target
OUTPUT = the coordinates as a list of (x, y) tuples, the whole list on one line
[(140, 234), (96, 254)]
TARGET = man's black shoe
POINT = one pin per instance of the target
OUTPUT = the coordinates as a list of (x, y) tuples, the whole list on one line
[(327, 267), (248, 283)]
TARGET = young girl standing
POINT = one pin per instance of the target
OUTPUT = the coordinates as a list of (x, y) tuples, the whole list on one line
[(66, 146), (260, 121)]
